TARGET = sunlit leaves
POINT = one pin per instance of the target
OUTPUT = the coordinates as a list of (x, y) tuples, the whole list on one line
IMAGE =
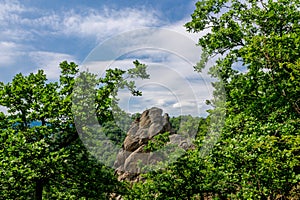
[(257, 156), (41, 152)]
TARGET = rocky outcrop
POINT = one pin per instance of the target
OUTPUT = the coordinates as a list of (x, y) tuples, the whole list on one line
[(133, 156), (145, 128)]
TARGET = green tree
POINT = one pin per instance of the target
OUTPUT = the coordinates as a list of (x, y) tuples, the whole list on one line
[(41, 151), (259, 150), (258, 68)]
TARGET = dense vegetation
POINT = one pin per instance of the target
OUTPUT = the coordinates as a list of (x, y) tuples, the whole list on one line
[(257, 155), (41, 151)]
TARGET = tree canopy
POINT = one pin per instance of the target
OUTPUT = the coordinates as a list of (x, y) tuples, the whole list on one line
[(257, 154), (41, 151)]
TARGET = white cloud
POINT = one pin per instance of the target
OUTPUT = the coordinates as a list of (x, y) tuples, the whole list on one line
[(11, 17), (170, 85), (10, 8), (107, 22), (184, 104), (170, 52), (49, 62), (179, 27), (81, 22), (9, 52), (8, 49), (3, 109), (20, 25)]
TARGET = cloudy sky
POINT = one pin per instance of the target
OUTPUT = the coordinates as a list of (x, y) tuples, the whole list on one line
[(109, 33)]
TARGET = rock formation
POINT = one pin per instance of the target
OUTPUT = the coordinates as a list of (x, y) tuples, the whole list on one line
[(133, 156)]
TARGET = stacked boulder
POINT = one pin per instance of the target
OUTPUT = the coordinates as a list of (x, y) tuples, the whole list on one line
[(132, 157)]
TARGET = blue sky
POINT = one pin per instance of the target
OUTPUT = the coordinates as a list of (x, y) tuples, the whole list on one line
[(40, 34), (33, 29)]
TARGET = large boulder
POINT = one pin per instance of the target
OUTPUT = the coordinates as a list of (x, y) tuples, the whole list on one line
[(146, 127), (132, 157)]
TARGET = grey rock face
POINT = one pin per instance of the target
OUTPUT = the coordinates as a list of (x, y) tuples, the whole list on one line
[(150, 124), (132, 157)]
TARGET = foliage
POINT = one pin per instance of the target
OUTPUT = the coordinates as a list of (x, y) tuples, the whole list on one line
[(259, 147), (157, 142), (257, 155), (42, 155), (194, 127), (179, 181)]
